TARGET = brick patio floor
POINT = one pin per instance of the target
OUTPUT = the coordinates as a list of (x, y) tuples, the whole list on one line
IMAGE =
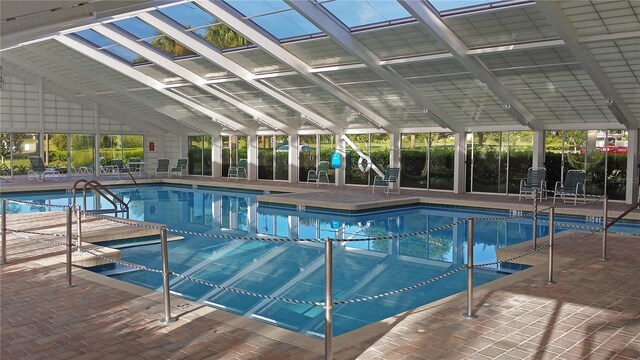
[(591, 312)]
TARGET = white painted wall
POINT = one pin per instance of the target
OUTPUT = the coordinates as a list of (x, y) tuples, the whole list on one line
[(20, 112)]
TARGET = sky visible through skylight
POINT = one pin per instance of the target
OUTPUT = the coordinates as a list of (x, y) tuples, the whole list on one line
[(444, 5), (110, 46), (198, 21), (364, 12), (275, 17)]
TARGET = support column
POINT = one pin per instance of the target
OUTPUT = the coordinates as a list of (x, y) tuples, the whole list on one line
[(252, 157), (96, 141), (216, 155), (459, 179), (293, 158), (538, 148), (41, 118), (341, 148), (394, 156), (633, 167)]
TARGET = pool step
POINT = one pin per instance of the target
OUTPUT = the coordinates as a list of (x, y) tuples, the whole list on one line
[(93, 230)]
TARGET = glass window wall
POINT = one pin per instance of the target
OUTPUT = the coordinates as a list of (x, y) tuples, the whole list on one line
[(110, 148), (265, 157), (307, 155), (497, 161), (5, 154), (426, 160), (376, 146), (327, 148), (200, 155), (234, 148), (23, 145), (82, 151), (55, 150), (601, 153)]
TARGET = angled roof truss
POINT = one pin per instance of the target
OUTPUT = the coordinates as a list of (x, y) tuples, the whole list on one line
[(198, 45), (132, 44), (129, 71), (555, 14), (333, 27), (431, 21), (268, 44)]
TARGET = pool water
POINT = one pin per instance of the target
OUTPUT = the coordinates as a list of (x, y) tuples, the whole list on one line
[(295, 270)]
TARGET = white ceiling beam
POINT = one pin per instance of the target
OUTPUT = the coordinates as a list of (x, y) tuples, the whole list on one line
[(131, 43), (197, 44), (431, 21), (610, 37), (556, 16), (399, 61), (227, 16), (314, 12), (79, 69), (138, 118), (105, 13), (535, 45), (129, 71)]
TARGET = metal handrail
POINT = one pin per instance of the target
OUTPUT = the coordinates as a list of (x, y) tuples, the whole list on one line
[(630, 209), (100, 189)]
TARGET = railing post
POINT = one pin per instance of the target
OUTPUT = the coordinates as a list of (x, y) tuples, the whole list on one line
[(469, 312), (79, 227), (69, 284), (165, 277), (552, 230), (328, 299), (3, 258), (605, 215), (535, 218)]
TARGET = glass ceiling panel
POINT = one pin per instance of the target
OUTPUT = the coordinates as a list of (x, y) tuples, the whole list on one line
[(108, 45), (444, 5), (355, 13), (153, 37), (188, 15), (275, 17), (205, 25)]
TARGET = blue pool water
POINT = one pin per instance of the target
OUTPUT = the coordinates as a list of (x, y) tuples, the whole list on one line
[(295, 270)]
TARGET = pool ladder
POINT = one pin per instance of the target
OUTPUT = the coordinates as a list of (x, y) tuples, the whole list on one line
[(100, 191)]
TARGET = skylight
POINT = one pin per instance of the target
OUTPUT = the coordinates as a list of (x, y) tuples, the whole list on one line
[(193, 18), (105, 44), (275, 17), (153, 37), (446, 5), (354, 13)]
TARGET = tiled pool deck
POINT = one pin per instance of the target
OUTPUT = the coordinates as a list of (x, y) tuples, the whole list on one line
[(592, 311)]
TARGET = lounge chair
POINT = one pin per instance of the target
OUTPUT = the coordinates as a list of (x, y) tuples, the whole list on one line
[(134, 166), (535, 181), (391, 176), (239, 171), (180, 167), (317, 175), (163, 167), (117, 167), (39, 172), (573, 186)]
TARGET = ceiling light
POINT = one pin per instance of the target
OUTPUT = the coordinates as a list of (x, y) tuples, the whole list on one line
[(515, 114), (615, 110)]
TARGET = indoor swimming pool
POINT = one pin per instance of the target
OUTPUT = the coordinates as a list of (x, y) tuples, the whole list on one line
[(295, 269)]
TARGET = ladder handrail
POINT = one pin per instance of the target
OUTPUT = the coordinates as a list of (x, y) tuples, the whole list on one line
[(99, 188), (630, 209)]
